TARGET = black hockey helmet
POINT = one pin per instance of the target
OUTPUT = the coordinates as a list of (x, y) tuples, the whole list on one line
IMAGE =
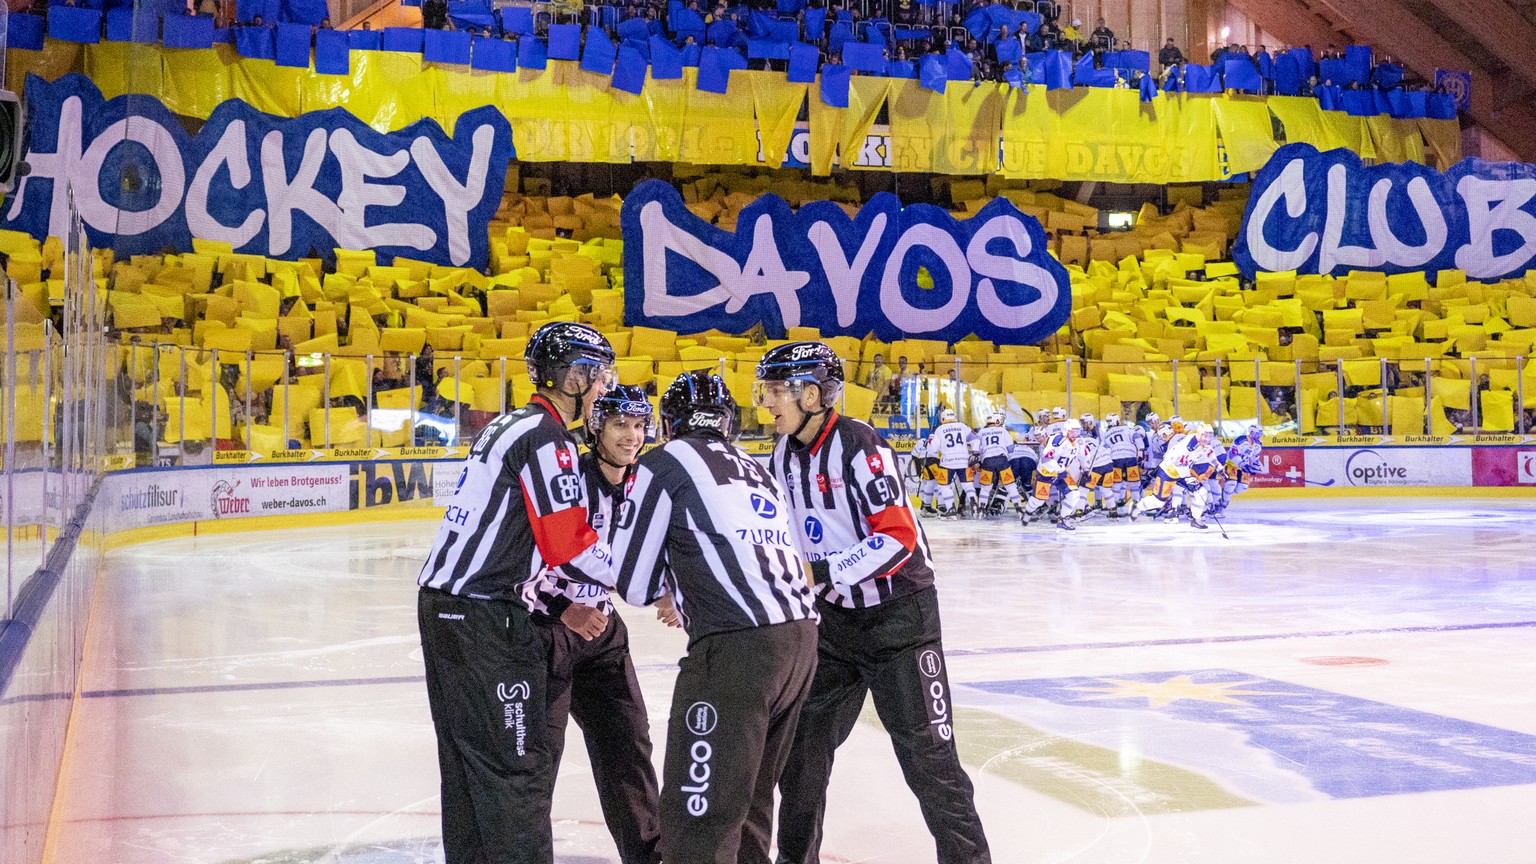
[(698, 402), (805, 362), (563, 344), (625, 400)]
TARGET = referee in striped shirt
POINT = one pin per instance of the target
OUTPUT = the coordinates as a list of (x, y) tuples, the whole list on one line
[(591, 676), (519, 508), (879, 612), (708, 528)]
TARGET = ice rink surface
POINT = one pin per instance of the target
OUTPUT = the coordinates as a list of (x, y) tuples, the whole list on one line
[(1340, 681)]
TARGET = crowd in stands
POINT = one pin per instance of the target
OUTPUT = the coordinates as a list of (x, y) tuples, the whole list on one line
[(1161, 321), (1014, 41)]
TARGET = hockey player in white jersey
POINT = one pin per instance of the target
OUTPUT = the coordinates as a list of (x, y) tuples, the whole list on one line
[(1055, 425), (1244, 459), (1090, 425), (1180, 471), (927, 487), (995, 476), (1056, 472), (952, 443)]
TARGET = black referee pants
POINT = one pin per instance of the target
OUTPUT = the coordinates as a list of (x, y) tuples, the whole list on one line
[(734, 709), (486, 686), (594, 683), (895, 652)]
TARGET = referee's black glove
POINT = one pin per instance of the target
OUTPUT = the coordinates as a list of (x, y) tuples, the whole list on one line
[(821, 572)]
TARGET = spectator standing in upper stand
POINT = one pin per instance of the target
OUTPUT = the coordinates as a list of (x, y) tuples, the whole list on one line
[(1103, 37), (1170, 55), (434, 14), (879, 378), (1266, 66)]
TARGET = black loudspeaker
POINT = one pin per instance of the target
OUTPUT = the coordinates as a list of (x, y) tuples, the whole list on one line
[(13, 140)]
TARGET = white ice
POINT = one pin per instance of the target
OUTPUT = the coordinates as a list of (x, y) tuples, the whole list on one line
[(257, 697)]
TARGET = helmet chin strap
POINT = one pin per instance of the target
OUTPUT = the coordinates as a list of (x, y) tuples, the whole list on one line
[(602, 455), (806, 419)]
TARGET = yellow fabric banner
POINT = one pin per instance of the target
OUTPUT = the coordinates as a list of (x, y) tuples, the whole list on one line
[(717, 129), (967, 142), (1443, 140), (776, 103), (1303, 121), (1247, 132), (1106, 134), (913, 127), (1395, 140), (844, 129), (564, 114)]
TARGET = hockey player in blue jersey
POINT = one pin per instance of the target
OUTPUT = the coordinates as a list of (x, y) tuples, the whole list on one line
[(1244, 459), (1156, 442)]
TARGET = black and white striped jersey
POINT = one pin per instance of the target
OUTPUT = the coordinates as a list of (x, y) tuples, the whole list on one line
[(519, 507), (554, 594), (851, 509), (706, 523)]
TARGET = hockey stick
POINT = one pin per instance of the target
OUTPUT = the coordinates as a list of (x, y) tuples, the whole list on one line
[(1220, 526), (1283, 477)]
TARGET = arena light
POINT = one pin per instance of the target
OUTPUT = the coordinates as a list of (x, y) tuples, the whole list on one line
[(1225, 33), (1122, 220)]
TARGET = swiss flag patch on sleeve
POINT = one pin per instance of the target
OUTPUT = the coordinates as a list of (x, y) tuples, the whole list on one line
[(563, 458), (876, 464)]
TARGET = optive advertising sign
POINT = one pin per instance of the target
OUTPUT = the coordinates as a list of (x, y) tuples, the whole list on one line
[(1390, 466)]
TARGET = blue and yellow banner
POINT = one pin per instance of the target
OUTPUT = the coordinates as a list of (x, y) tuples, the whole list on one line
[(1328, 212), (266, 185), (562, 112), (991, 274)]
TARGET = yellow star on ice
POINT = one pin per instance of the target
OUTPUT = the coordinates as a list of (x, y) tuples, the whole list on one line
[(1160, 693)]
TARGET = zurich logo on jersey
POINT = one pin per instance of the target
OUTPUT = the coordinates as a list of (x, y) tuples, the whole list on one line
[(764, 507), (813, 529)]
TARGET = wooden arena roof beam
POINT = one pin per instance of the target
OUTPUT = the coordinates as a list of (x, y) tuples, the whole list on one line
[(1500, 29), (1390, 27)]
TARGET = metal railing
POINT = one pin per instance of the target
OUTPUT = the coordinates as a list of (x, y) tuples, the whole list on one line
[(189, 402)]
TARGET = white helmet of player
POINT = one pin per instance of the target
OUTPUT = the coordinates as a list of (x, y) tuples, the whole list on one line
[(1087, 420), (1165, 434), (1255, 432), (1058, 413), (995, 418), (1071, 427), (1203, 431), (1153, 420), (1111, 420), (947, 415)]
